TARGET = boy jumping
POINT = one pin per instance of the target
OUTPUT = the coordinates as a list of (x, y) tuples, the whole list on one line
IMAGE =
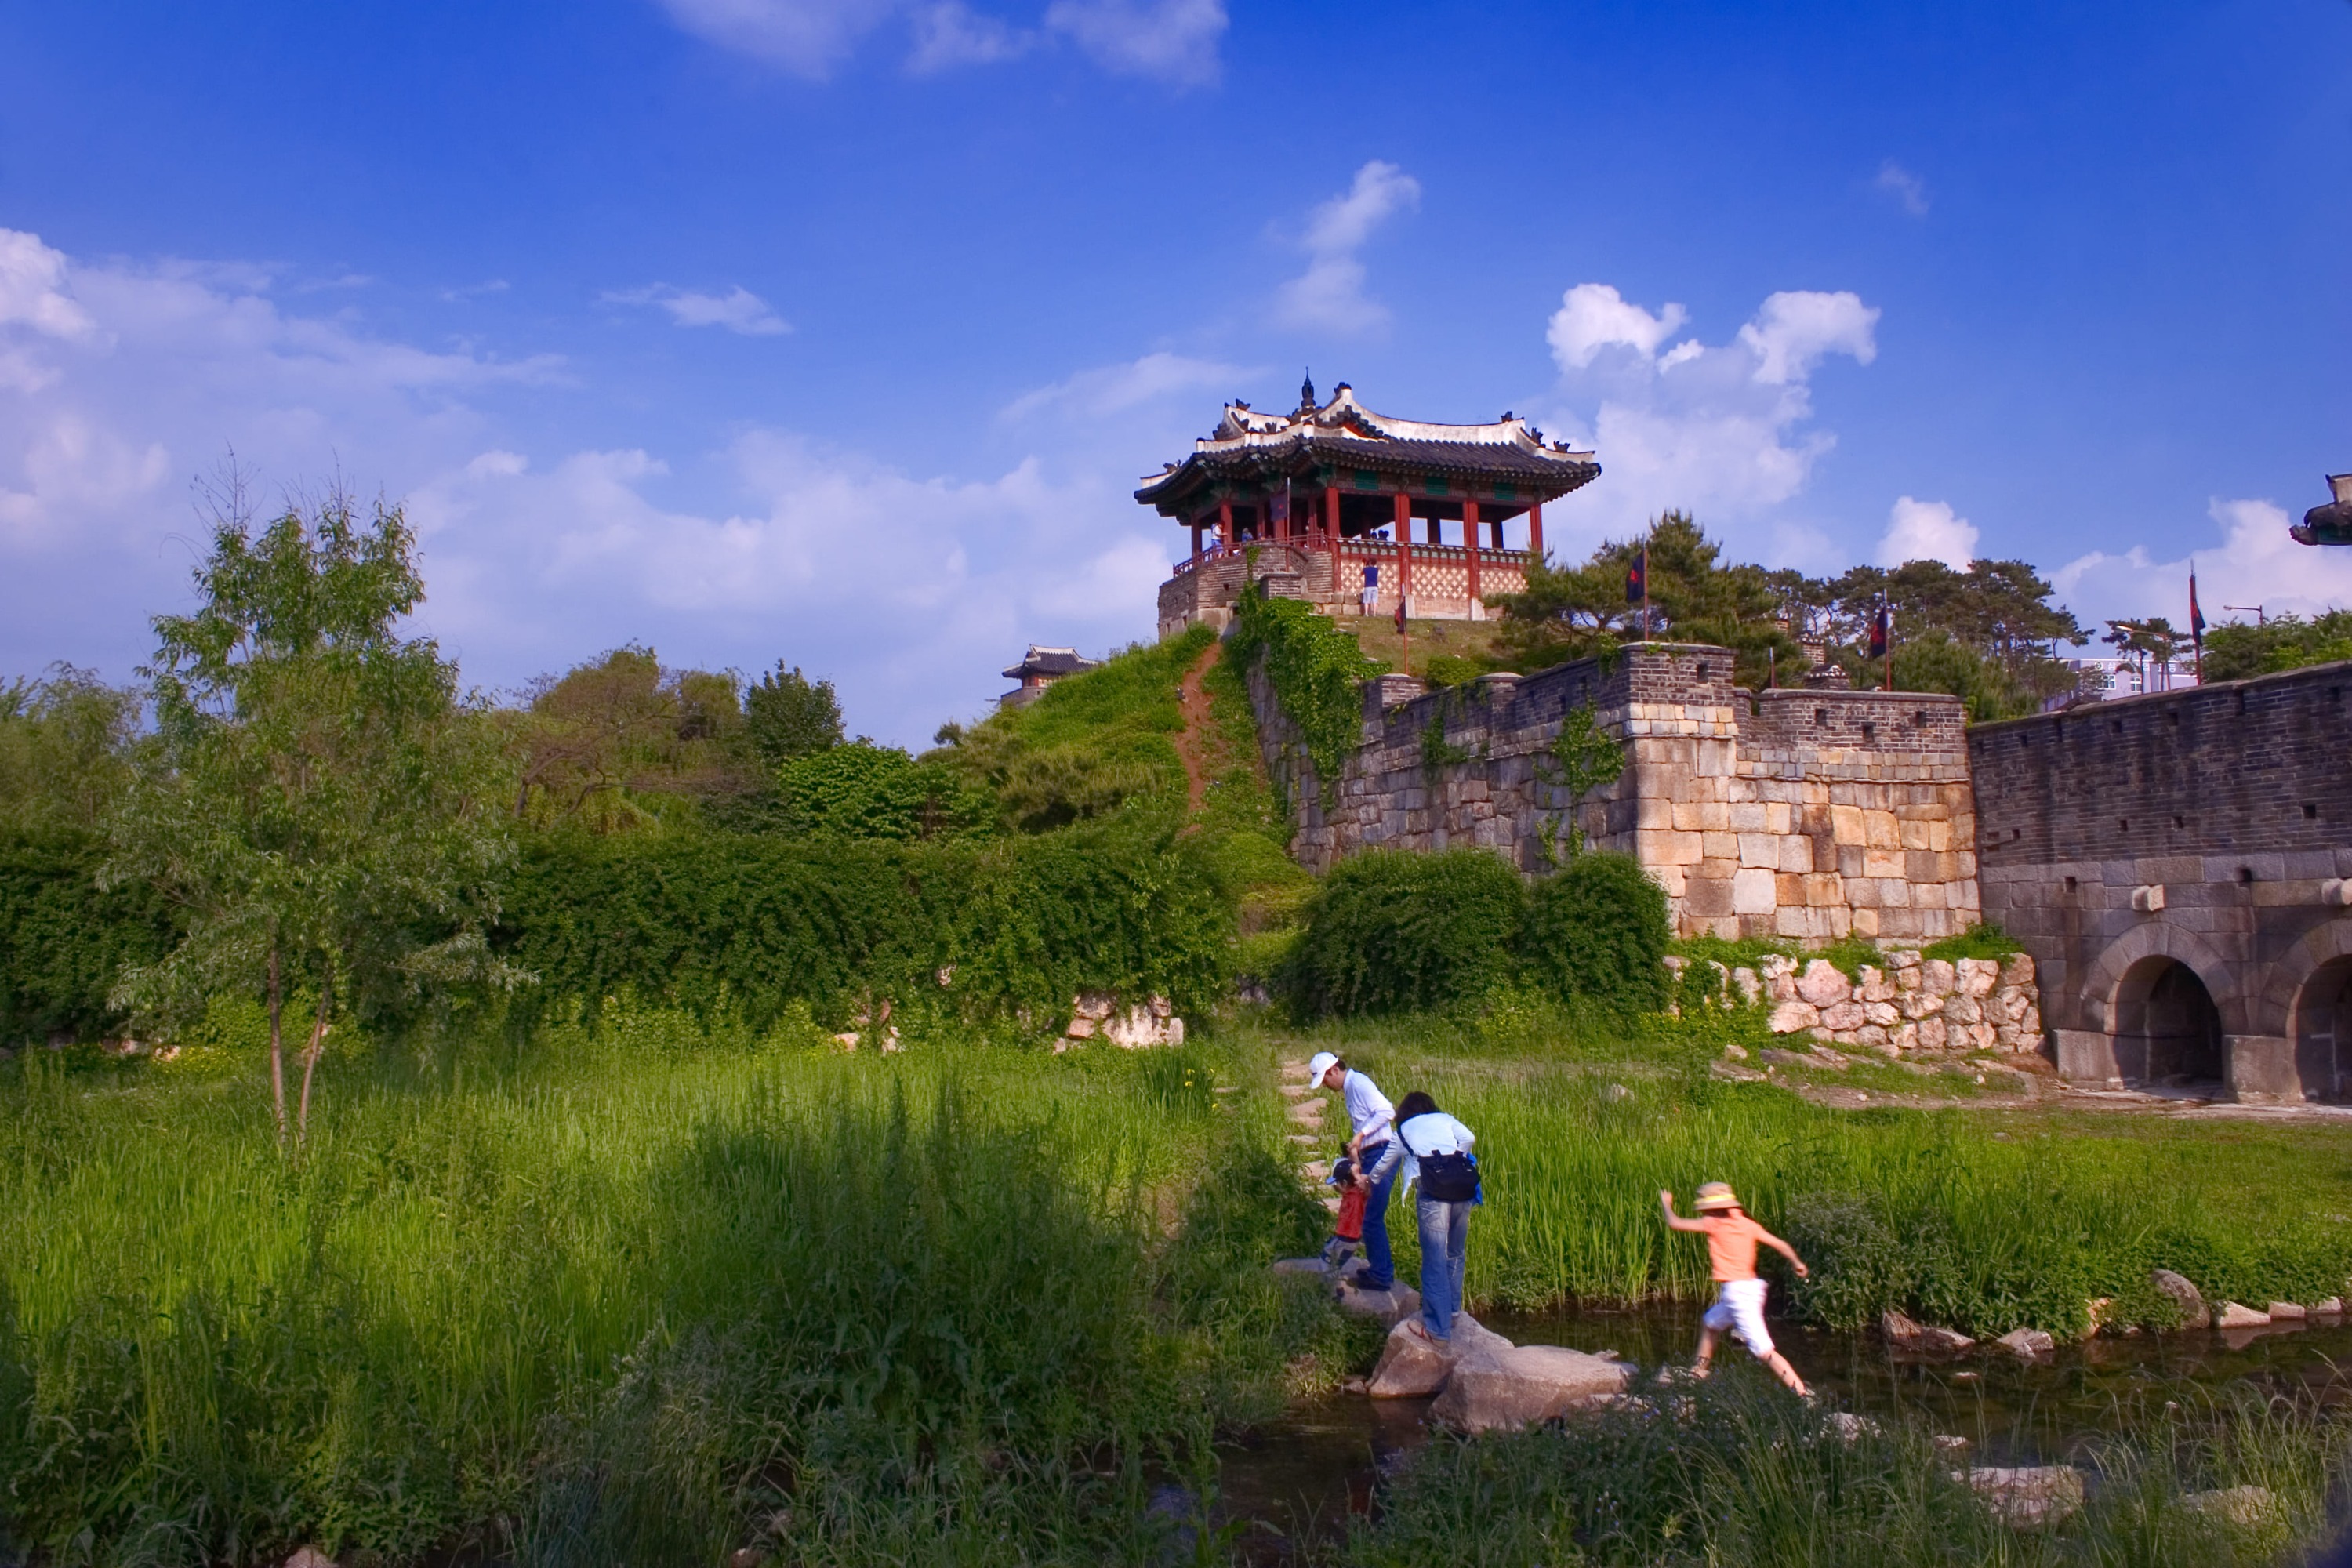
[(1731, 1238)]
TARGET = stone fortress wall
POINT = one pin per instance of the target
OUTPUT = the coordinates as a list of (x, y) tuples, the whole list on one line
[(2177, 866), (1806, 814)]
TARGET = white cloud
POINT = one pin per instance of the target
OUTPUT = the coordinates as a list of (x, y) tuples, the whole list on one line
[(1796, 328), (951, 34), (1114, 389), (2252, 561), (1926, 530), (806, 38), (1172, 41), (1594, 316), (1907, 189), (739, 309), (912, 590), (1719, 431), (33, 287), (1329, 295)]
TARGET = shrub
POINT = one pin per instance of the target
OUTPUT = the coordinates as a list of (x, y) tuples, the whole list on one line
[(63, 939), (1393, 931), (865, 790), (1597, 932)]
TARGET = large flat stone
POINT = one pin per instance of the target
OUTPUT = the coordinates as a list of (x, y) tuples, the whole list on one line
[(1523, 1384), (1389, 1305), (1414, 1368)]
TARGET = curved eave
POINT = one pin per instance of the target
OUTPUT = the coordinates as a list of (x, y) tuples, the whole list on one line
[(1545, 476)]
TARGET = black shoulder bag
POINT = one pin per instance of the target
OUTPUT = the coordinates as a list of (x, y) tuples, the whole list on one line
[(1448, 1178)]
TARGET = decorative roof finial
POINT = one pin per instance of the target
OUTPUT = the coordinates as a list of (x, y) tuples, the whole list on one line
[(1306, 392)]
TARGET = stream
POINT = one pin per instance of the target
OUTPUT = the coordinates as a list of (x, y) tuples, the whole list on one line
[(1305, 1474)]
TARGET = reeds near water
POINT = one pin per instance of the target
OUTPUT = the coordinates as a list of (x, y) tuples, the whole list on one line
[(1984, 1222), (1738, 1473)]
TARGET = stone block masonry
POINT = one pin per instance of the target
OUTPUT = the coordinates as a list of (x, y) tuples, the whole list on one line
[(2180, 867), (1802, 815)]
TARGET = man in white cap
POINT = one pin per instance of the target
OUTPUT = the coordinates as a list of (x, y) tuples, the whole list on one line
[(1370, 1115)]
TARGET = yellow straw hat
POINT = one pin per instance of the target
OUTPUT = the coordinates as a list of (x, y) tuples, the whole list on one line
[(1717, 1195)]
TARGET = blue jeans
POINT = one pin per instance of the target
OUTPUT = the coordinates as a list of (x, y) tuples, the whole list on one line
[(1445, 1241), (1379, 1269)]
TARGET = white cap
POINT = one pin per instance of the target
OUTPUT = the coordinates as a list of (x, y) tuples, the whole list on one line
[(1324, 1062)]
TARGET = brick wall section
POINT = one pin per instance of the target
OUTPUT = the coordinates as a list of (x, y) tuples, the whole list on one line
[(2229, 801), (1801, 814), (1440, 579)]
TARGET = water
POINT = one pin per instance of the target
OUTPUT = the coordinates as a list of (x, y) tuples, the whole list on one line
[(1300, 1478)]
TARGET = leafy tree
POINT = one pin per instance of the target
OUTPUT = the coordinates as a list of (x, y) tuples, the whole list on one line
[(64, 744), (1938, 661), (2141, 643), (1997, 610), (1598, 930), (787, 715), (313, 805), (2235, 651), (1572, 612), (605, 743)]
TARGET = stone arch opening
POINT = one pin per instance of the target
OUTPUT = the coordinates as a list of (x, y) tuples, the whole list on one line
[(2323, 1030), (2168, 1030)]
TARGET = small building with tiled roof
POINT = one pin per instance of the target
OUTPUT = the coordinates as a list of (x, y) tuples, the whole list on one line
[(1350, 511), (1040, 669)]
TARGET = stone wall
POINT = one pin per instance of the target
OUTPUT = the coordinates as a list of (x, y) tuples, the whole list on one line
[(1809, 814), (2208, 830)]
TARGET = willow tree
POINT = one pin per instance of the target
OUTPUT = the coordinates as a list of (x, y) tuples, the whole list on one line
[(318, 801)]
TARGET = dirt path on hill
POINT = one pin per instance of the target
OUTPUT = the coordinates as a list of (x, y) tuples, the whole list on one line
[(1193, 740)]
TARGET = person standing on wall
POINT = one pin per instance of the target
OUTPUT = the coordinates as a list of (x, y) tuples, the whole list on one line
[(1436, 1155), (1371, 1145)]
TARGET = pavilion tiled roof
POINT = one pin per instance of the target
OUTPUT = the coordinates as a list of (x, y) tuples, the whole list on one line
[(1345, 436), (1049, 661)]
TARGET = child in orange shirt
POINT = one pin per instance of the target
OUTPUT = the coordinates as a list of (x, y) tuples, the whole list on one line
[(1731, 1238)]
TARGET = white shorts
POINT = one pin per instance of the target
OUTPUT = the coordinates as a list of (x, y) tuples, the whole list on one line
[(1739, 1307)]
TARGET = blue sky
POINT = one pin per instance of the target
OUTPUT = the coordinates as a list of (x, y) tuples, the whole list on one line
[(840, 331)]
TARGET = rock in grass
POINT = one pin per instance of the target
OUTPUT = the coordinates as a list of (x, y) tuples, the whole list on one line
[(2027, 1343), (1904, 1334), (310, 1557), (2028, 1496), (1414, 1368), (2332, 1306), (2182, 1294), (2286, 1312), (2248, 1508), (1779, 1058), (1850, 1428), (2237, 1315), (1308, 1266), (1522, 1385)]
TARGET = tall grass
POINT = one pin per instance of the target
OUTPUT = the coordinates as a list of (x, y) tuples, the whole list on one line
[(638, 1297), (1740, 1475), (1985, 1222)]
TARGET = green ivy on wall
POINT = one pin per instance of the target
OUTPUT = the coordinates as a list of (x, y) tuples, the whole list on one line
[(1317, 671)]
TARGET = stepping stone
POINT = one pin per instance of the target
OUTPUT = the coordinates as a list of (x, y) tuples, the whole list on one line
[(1518, 1386), (1399, 1300), (1311, 1111), (1310, 1138), (1296, 1090), (1414, 1368)]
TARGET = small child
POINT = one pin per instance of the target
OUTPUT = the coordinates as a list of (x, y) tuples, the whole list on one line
[(1731, 1238), (1347, 1225)]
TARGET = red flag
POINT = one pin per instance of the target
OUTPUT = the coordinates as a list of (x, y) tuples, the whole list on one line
[(1881, 626), (1399, 619), (2196, 615)]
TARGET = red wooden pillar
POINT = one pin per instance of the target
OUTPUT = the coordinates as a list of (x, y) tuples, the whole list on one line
[(1535, 531), (1404, 545), (1226, 525), (1470, 545), (1331, 518)]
